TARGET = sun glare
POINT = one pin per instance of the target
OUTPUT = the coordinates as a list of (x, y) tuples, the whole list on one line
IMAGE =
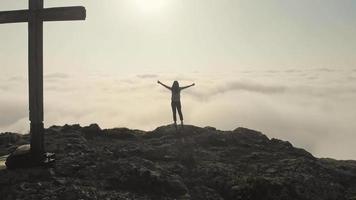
[(152, 6)]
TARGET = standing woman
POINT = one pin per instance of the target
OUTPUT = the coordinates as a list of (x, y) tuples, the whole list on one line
[(176, 105)]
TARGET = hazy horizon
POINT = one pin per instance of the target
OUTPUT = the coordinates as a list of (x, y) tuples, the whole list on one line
[(285, 68)]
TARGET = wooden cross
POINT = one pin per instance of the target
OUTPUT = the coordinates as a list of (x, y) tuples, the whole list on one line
[(35, 16)]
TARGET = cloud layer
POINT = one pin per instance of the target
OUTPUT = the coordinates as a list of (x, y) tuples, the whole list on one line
[(313, 113)]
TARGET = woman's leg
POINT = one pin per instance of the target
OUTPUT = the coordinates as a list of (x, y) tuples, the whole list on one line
[(174, 111), (179, 108)]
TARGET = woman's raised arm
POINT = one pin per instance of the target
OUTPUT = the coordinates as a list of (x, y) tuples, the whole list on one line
[(169, 88), (185, 87)]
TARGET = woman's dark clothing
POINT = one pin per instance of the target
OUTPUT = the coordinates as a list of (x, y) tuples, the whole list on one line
[(177, 106)]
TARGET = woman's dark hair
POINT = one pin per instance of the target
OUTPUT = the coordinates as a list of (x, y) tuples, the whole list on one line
[(175, 87)]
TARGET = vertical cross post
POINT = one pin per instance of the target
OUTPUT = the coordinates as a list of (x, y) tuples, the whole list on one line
[(35, 63)]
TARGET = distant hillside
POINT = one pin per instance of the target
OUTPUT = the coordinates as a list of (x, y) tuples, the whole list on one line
[(195, 163)]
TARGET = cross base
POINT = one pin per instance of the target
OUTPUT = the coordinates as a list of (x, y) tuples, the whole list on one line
[(37, 139), (22, 157)]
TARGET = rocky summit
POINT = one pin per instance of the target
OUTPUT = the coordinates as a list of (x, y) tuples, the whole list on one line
[(193, 163)]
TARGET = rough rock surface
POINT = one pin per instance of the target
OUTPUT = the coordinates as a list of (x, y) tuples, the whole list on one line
[(194, 163)]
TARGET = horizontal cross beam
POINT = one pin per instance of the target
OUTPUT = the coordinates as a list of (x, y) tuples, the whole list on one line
[(63, 14), (47, 14), (13, 16)]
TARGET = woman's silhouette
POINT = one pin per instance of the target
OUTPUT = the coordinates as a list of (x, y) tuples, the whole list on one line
[(176, 105)]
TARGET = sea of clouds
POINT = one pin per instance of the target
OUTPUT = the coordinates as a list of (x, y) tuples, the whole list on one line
[(312, 108)]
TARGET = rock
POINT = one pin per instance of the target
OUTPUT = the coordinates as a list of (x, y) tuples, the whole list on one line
[(205, 193), (176, 187), (120, 133), (21, 158), (249, 135), (271, 170), (9, 138), (92, 130), (69, 128), (193, 163), (70, 193), (60, 181), (210, 128)]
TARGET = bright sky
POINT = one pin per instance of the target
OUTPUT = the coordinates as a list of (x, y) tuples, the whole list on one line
[(284, 67)]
